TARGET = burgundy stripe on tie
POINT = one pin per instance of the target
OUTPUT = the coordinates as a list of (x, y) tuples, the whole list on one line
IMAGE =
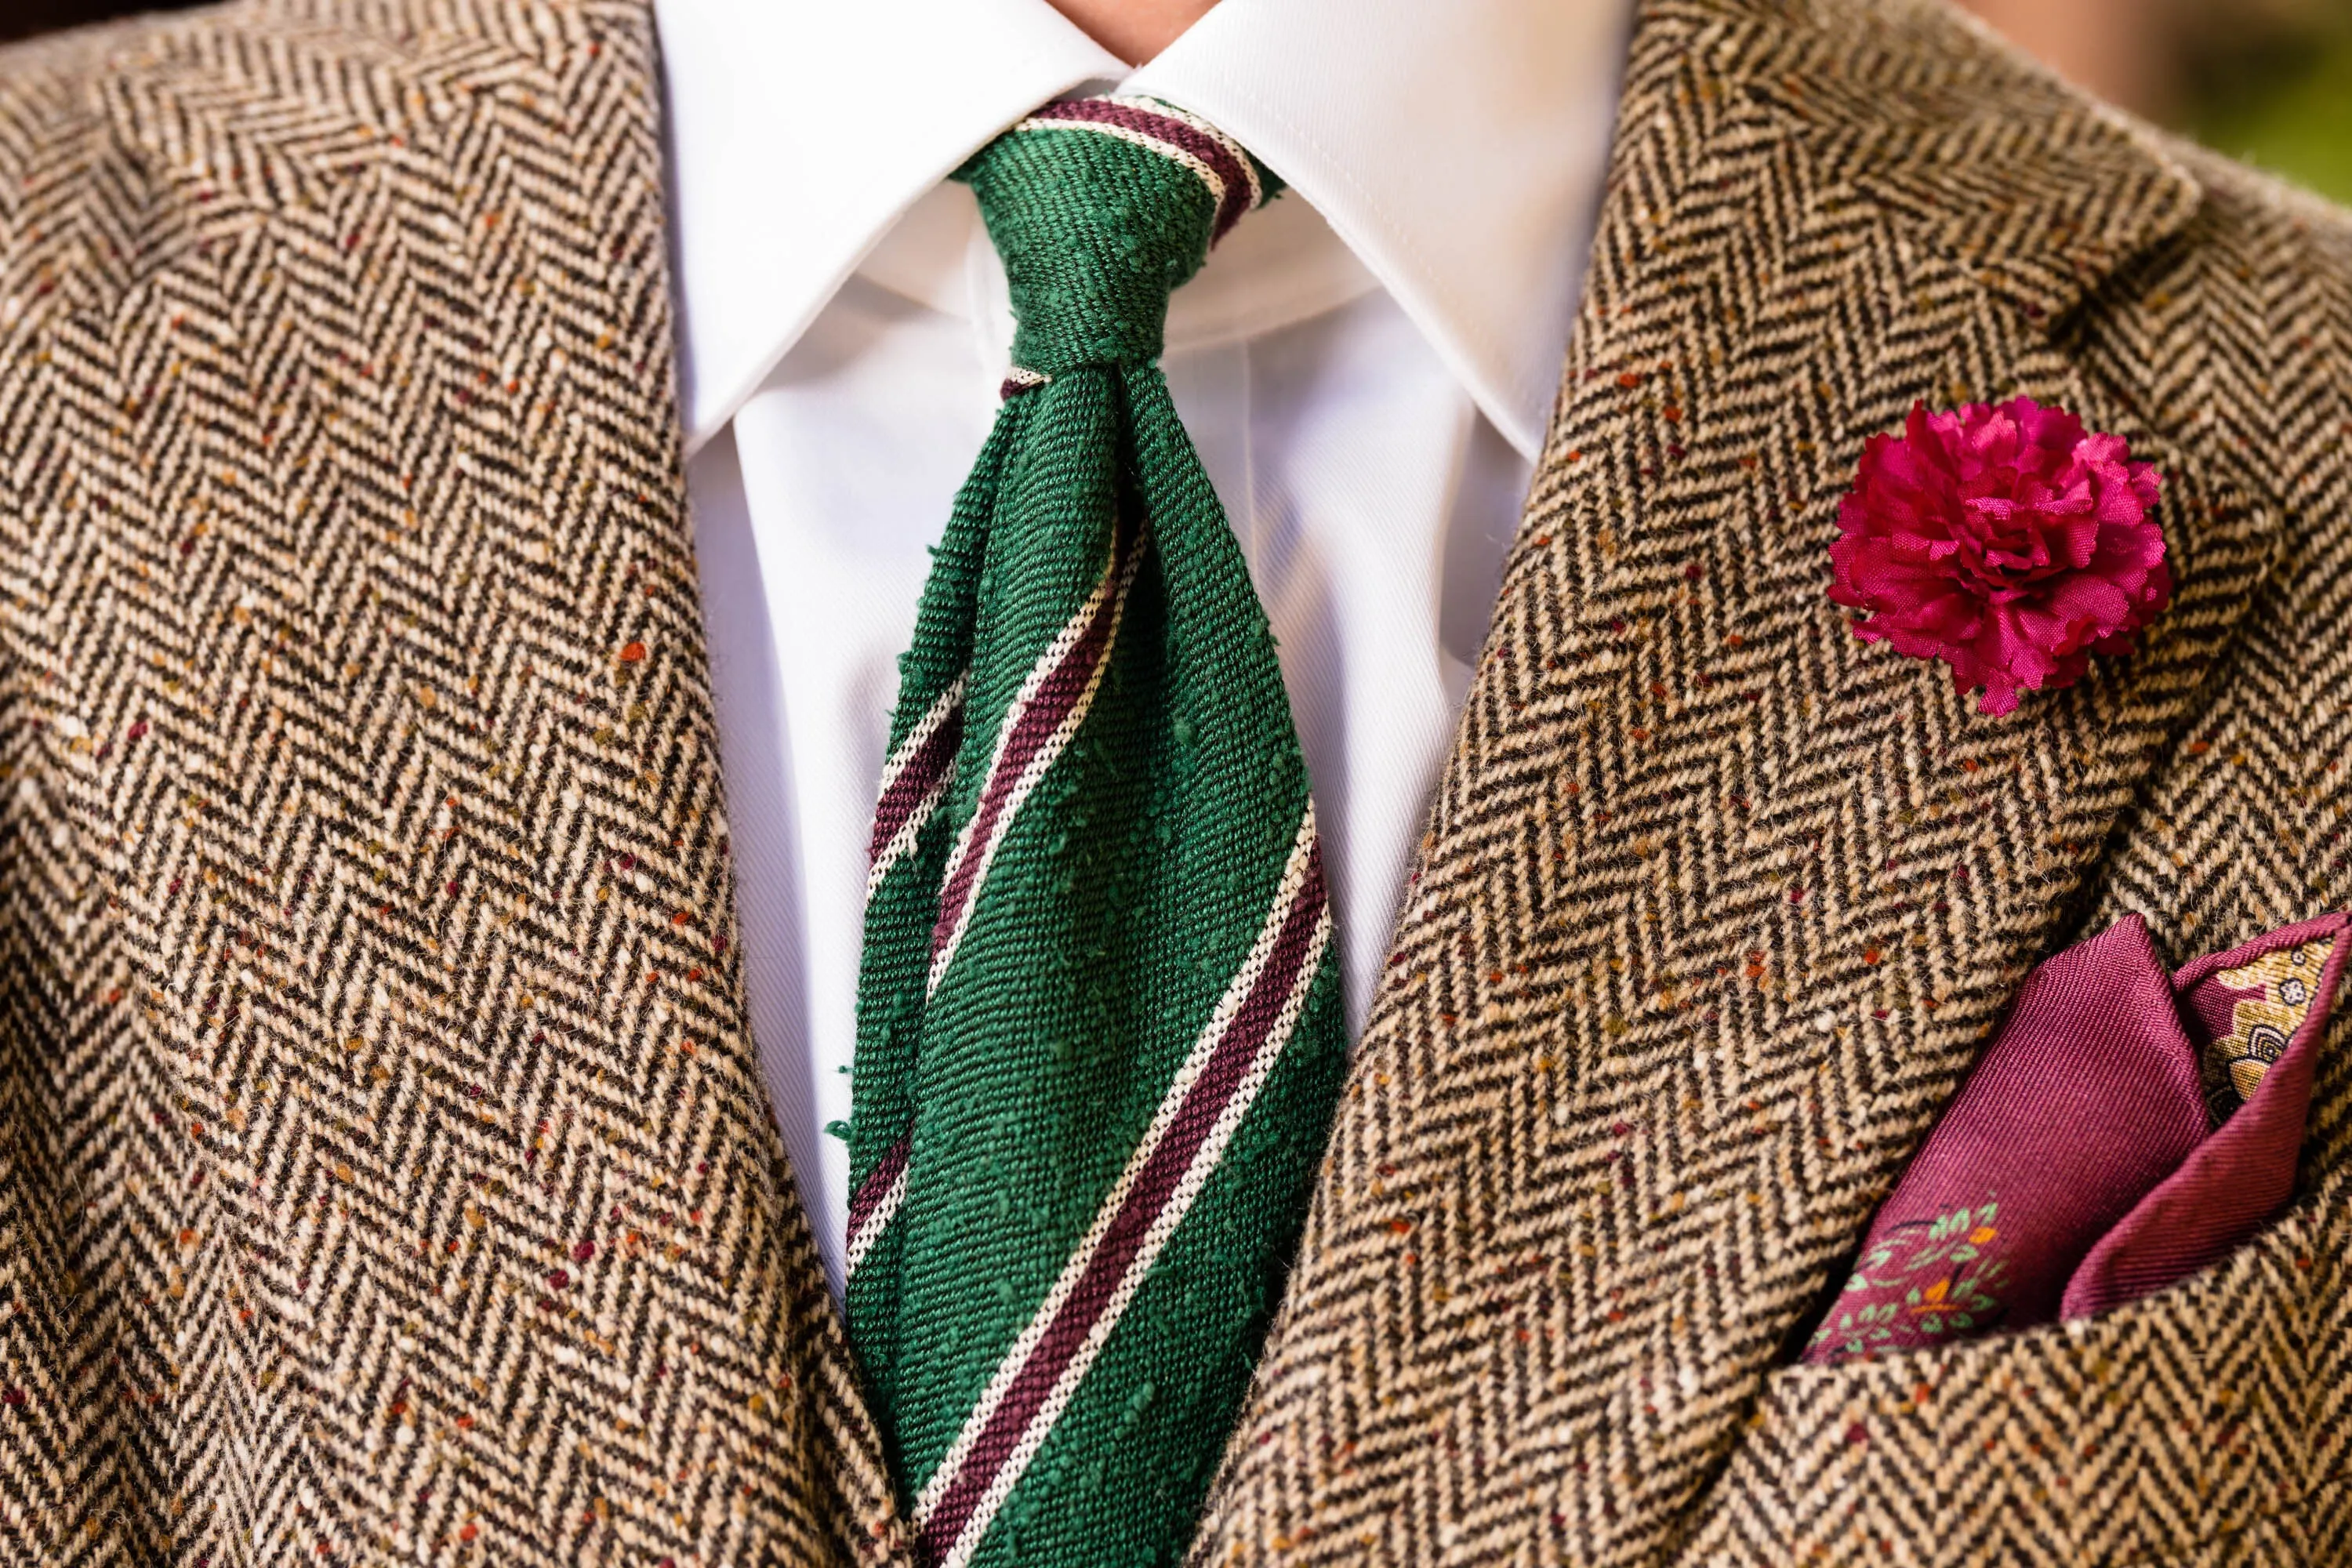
[(1033, 727), (930, 764), (878, 1182), (1167, 128), (1207, 1096)]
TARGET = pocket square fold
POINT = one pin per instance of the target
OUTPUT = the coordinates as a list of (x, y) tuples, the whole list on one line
[(2125, 1128)]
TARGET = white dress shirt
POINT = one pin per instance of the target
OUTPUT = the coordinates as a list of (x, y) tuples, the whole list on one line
[(1366, 367)]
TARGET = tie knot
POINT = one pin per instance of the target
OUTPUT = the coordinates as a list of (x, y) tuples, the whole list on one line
[(1100, 207)]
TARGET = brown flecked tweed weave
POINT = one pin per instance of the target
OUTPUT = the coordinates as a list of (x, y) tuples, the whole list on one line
[(1717, 901), (385, 1170), (383, 1166)]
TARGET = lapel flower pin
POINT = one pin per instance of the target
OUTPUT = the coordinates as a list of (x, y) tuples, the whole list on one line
[(2008, 541)]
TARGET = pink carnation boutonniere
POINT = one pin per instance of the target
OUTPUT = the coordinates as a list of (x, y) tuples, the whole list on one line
[(2009, 542)]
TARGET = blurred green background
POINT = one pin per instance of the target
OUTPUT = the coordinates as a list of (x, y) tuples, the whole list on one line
[(2288, 107), (2266, 81)]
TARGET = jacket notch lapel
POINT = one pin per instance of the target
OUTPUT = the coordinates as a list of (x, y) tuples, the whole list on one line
[(442, 946), (1717, 901)]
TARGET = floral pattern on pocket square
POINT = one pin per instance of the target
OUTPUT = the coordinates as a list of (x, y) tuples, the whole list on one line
[(2125, 1128), (2269, 1000), (1922, 1281)]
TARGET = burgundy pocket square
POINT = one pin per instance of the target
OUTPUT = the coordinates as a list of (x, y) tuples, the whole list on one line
[(2125, 1128)]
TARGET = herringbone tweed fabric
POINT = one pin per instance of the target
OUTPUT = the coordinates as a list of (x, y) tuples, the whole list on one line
[(385, 1172), (362, 883), (1717, 901)]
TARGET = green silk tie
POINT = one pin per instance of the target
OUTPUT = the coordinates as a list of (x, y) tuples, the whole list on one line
[(1100, 1035)]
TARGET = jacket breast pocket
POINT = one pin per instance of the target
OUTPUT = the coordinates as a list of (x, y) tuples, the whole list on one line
[(2208, 1423), (2091, 1328)]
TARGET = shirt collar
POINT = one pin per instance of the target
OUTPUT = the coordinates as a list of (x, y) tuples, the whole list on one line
[(1458, 150)]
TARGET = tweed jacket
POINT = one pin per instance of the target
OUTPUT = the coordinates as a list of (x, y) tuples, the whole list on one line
[(385, 1170)]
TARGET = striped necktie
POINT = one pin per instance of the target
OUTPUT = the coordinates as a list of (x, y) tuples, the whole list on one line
[(1100, 1035)]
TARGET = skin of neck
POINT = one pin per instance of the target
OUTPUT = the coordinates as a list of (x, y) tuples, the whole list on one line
[(1134, 30)]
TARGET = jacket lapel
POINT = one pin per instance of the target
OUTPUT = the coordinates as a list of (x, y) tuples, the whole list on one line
[(399, 749), (1717, 901), (420, 1150)]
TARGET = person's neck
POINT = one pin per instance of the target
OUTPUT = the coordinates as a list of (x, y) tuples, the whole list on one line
[(1134, 30)]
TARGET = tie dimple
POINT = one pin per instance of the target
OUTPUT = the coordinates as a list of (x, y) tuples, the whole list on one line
[(1099, 1031)]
